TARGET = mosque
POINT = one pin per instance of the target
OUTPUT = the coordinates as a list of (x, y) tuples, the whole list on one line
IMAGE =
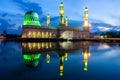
[(32, 28)]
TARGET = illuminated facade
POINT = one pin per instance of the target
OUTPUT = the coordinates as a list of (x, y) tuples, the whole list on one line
[(33, 29)]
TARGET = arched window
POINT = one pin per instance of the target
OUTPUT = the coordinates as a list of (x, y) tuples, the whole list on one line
[(43, 45), (47, 45), (29, 34), (38, 45), (43, 35), (50, 45), (38, 35), (34, 34), (23, 35), (50, 35), (29, 46), (34, 45), (47, 35)]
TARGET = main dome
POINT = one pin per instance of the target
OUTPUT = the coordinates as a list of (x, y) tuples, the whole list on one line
[(31, 18)]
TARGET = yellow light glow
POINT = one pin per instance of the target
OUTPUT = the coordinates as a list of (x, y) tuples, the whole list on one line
[(61, 67), (50, 44), (85, 55), (50, 36), (34, 45), (29, 34), (86, 16), (29, 46), (61, 12), (47, 35), (24, 44), (23, 36), (86, 24), (85, 63), (47, 45), (38, 35), (43, 45), (39, 45), (34, 34)]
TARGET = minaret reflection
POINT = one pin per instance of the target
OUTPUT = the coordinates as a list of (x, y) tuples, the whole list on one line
[(66, 56), (48, 58), (63, 56), (61, 67), (86, 54)]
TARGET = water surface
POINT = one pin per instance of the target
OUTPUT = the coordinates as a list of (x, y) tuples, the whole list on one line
[(59, 61)]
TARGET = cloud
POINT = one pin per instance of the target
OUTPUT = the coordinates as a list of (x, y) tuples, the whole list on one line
[(27, 6), (113, 53), (9, 27), (105, 11), (102, 28), (4, 14), (11, 19), (101, 18), (117, 28), (103, 47)]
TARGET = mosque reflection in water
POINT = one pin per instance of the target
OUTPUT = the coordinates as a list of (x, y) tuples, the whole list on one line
[(32, 52)]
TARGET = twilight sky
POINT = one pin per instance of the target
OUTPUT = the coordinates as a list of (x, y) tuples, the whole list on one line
[(105, 12)]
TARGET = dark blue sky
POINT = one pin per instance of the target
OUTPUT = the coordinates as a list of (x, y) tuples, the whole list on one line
[(104, 15)]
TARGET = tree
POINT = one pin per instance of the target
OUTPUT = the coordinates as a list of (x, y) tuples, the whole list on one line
[(4, 32)]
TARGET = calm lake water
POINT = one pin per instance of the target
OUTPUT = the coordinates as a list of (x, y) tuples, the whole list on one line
[(59, 61)]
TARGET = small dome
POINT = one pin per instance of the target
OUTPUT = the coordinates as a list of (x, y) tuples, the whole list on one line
[(86, 9), (31, 18), (61, 4)]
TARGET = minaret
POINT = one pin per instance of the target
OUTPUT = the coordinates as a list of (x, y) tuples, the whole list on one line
[(61, 13), (66, 23), (86, 23), (48, 20), (86, 54)]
